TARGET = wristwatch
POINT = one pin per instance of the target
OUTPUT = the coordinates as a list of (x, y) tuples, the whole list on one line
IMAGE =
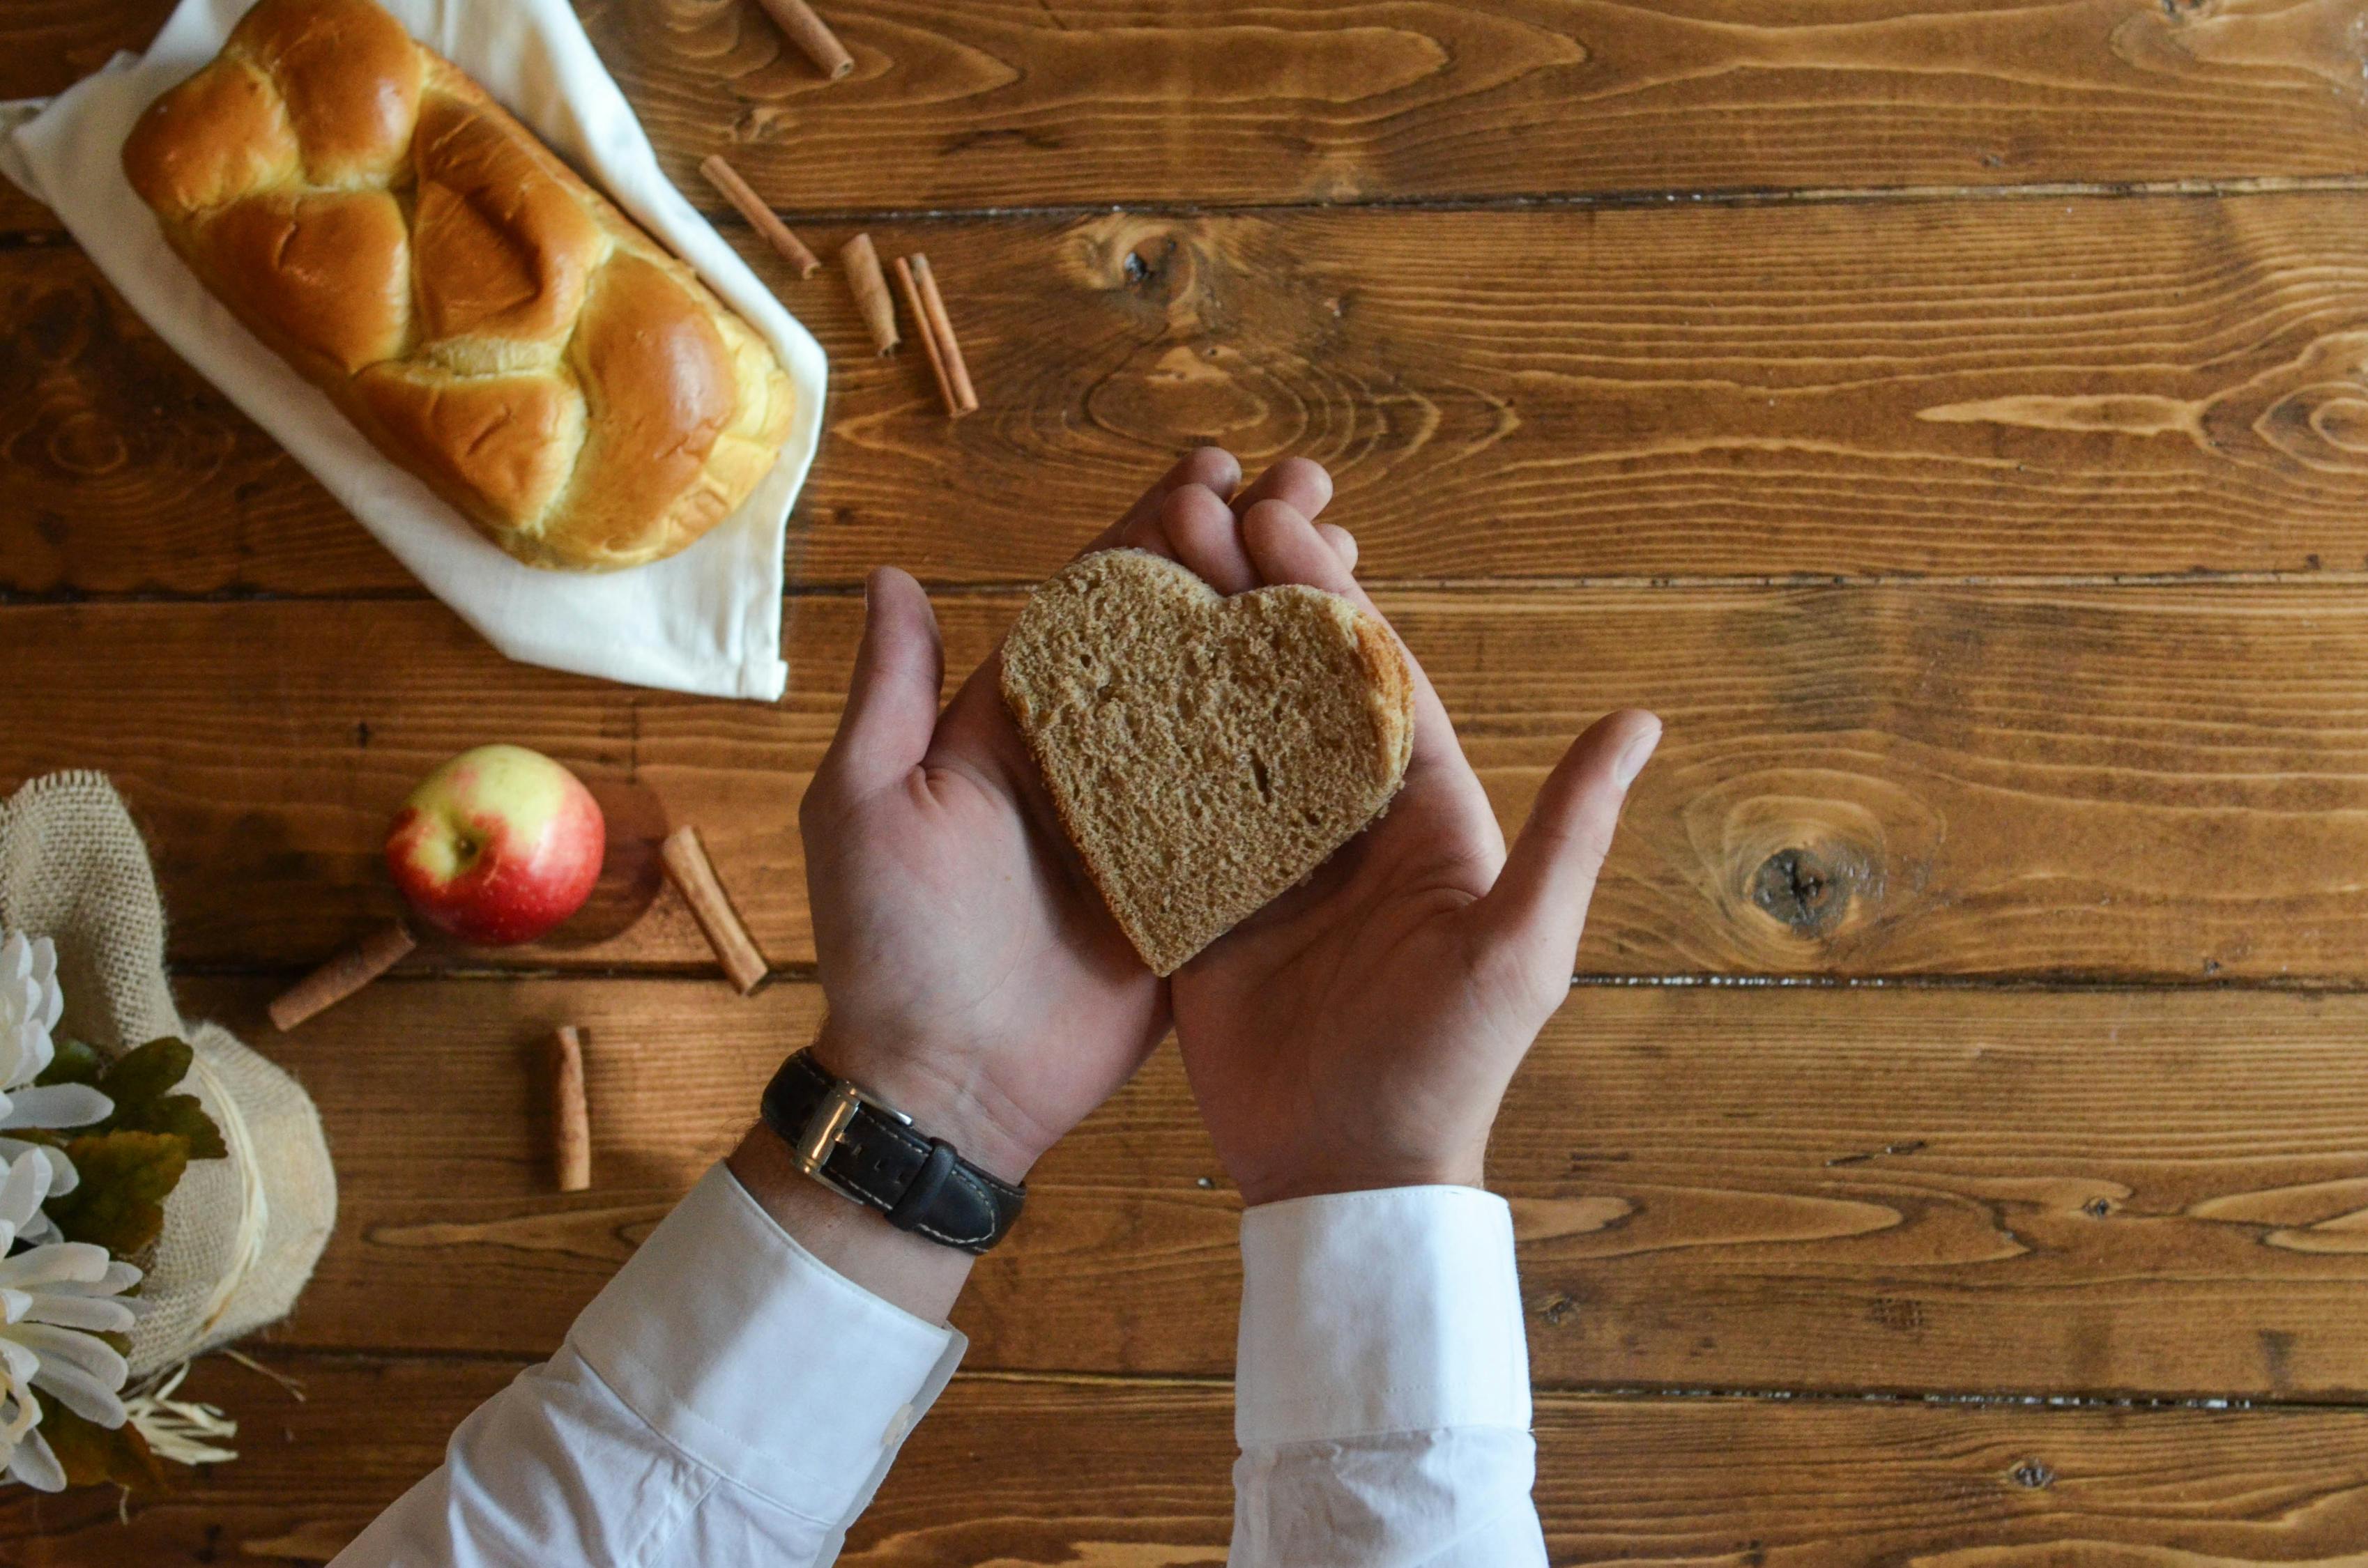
[(866, 1149)]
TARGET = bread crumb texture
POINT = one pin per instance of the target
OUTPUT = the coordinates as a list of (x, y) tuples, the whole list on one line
[(1205, 753)]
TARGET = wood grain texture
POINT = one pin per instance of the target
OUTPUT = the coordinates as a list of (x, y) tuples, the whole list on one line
[(996, 1476), (2139, 1193), (1985, 389), (1109, 100), (1113, 101), (2167, 783)]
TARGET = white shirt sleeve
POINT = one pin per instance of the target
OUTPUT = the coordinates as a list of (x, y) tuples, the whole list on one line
[(1382, 1386), (728, 1398)]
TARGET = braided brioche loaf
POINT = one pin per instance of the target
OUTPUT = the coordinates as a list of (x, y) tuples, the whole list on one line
[(487, 319)]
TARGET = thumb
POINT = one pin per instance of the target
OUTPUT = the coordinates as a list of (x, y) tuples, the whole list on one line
[(892, 703), (1539, 905)]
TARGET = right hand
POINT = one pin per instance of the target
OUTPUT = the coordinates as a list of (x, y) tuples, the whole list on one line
[(1359, 1031)]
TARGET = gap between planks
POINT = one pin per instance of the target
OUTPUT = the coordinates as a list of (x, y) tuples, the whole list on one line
[(289, 1356), (16, 598), (1729, 195), (660, 974)]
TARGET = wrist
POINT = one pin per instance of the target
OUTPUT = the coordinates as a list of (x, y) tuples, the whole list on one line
[(855, 1242), (1320, 1177), (937, 1091)]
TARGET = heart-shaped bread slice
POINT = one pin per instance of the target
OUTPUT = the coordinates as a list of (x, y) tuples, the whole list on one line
[(1205, 753)]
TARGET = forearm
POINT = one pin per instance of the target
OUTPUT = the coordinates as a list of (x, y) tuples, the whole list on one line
[(918, 1275), (733, 1395), (1382, 1386)]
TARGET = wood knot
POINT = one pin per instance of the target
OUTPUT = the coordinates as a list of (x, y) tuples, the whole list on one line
[(1805, 890), (1156, 266), (2034, 1475), (1809, 866)]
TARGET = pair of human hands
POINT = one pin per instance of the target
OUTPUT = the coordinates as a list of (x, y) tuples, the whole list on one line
[(1358, 1032)]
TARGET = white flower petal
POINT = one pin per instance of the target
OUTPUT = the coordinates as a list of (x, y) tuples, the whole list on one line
[(119, 1277), (60, 1262), (45, 975), (71, 1347), (18, 1361), (26, 1183), (57, 1104), (33, 1464), (94, 1314), (40, 1051), (64, 1177), (15, 959), (79, 1391), (14, 1304)]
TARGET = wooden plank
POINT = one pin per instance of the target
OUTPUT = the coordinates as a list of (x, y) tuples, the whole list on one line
[(2167, 783), (996, 1474), (1974, 389), (1111, 101), (1975, 1190), (1234, 101), (46, 46)]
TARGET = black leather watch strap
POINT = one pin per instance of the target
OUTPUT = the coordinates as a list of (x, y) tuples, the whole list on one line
[(872, 1153)]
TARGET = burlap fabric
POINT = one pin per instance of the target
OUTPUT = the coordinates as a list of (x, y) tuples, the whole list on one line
[(242, 1234)]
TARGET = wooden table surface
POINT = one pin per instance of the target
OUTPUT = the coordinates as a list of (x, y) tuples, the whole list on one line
[(1951, 415)]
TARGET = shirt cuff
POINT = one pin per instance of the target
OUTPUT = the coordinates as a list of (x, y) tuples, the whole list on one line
[(758, 1360), (1369, 1312)]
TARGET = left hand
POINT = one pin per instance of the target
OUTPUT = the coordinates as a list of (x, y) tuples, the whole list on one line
[(1359, 1030), (974, 978)]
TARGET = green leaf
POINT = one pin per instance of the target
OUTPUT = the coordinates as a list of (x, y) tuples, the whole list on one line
[(147, 1073), (176, 1116), (90, 1453), (125, 1175), (140, 1082), (73, 1064)]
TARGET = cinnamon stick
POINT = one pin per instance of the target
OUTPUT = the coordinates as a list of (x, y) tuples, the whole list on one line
[(571, 1116), (354, 967), (810, 33), (686, 867), (941, 327), (762, 218), (928, 339), (863, 276)]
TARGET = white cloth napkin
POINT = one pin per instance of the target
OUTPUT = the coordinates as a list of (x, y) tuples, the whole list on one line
[(706, 620)]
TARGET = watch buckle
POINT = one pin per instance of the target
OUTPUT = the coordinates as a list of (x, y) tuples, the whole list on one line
[(819, 1139)]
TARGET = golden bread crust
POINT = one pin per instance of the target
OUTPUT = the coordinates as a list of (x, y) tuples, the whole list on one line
[(488, 320)]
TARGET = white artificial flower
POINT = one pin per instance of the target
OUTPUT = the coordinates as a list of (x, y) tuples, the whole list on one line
[(30, 1004), (55, 1300)]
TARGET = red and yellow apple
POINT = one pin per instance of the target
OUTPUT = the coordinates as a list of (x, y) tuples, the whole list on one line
[(497, 845)]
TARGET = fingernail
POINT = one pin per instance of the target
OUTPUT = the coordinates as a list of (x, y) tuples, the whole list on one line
[(1632, 761)]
